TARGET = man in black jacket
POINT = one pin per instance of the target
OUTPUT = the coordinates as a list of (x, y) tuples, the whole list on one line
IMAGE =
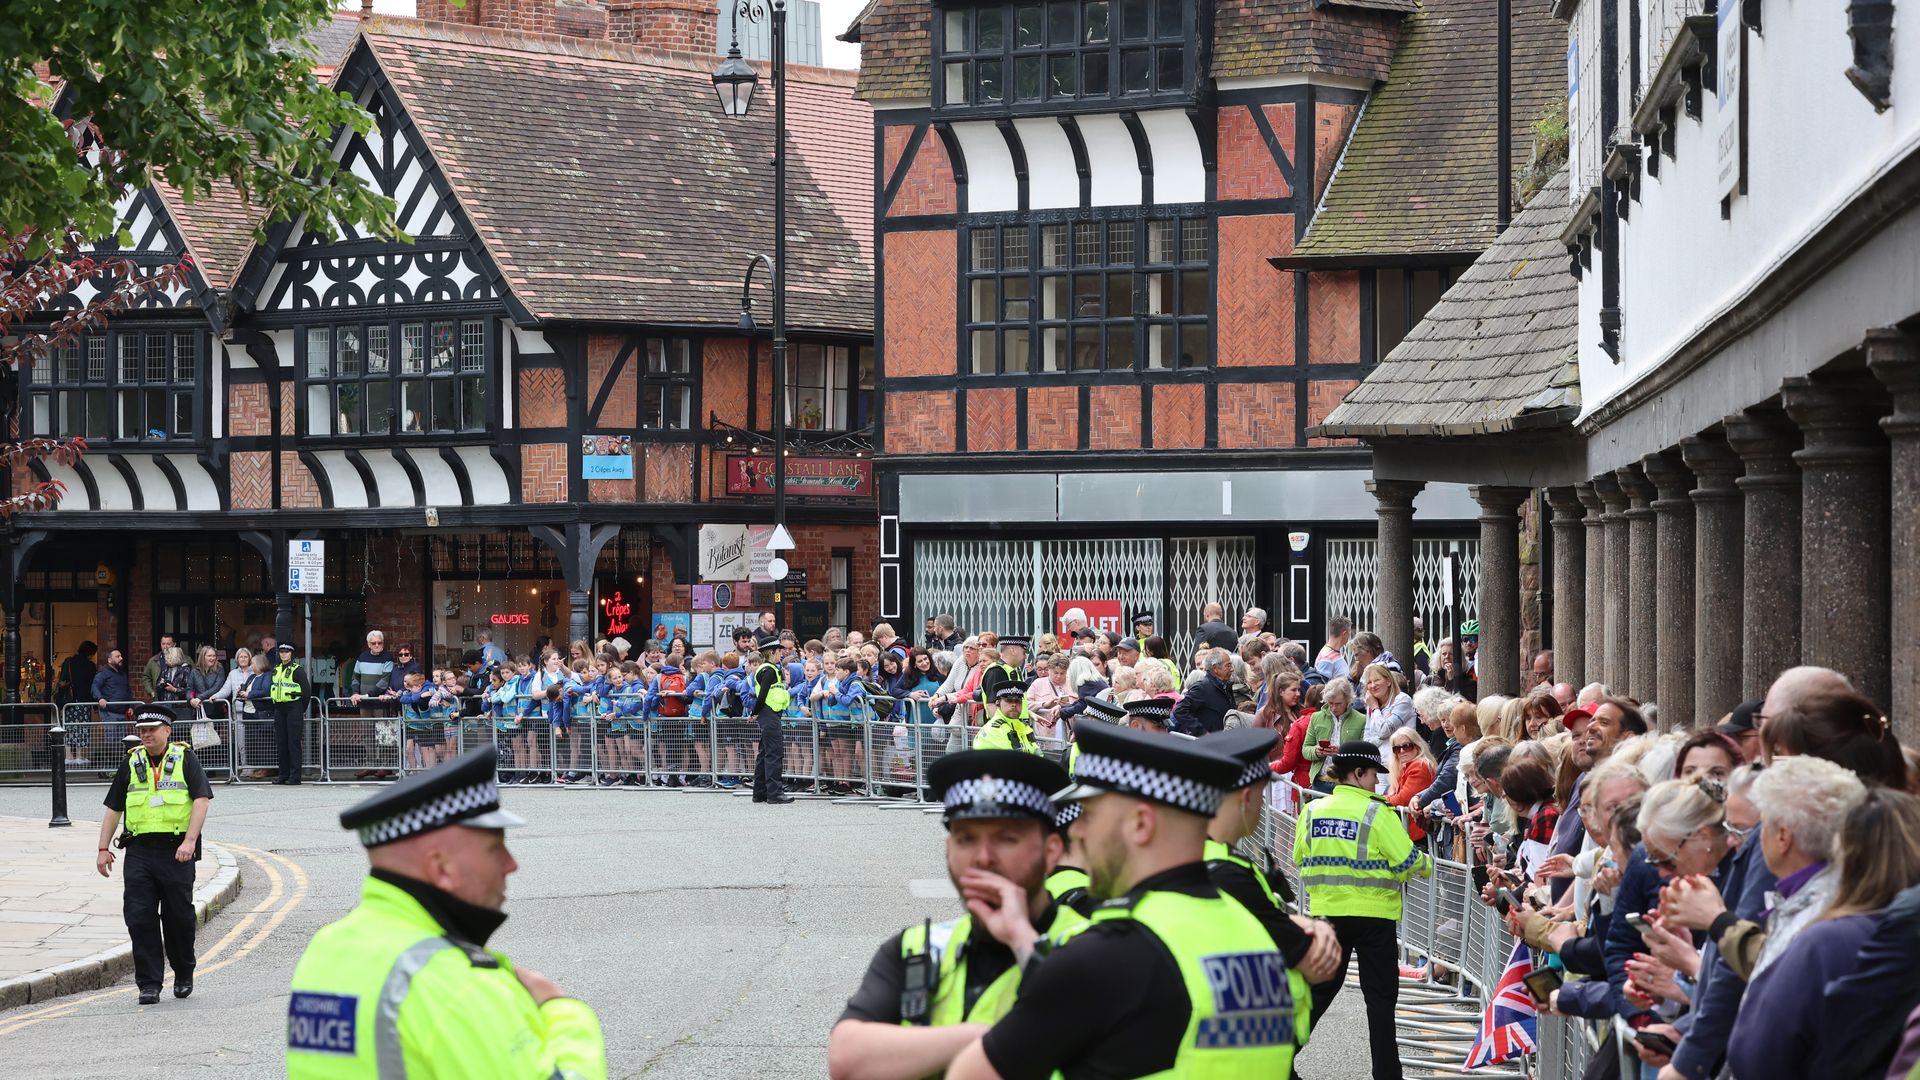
[(1214, 633), (1204, 706)]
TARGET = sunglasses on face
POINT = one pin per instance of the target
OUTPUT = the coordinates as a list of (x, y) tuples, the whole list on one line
[(1402, 748)]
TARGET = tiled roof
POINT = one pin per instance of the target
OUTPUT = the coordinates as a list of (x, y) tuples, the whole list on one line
[(1418, 174), (218, 227), (332, 39), (1499, 351), (1402, 6), (1270, 37), (896, 50), (608, 188)]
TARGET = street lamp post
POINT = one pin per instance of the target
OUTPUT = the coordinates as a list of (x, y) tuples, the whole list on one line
[(735, 81)]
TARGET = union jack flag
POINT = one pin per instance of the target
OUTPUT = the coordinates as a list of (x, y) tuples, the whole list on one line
[(1508, 1027)]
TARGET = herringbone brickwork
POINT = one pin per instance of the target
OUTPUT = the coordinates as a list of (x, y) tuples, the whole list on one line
[(618, 411), (1255, 415), (1113, 418), (1246, 166), (542, 398), (1331, 123), (918, 303), (1254, 311), (1322, 396), (543, 473), (611, 491), (252, 480), (919, 422), (1053, 418), (928, 187), (1333, 318), (991, 421), (723, 389), (249, 410), (1179, 417), (287, 418), (669, 473), (298, 489)]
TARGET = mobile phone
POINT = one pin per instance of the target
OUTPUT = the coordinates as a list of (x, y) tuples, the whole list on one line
[(1638, 921), (1541, 983), (1655, 1041), (1515, 897)]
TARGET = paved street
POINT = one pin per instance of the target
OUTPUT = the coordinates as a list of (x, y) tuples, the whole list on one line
[(714, 937)]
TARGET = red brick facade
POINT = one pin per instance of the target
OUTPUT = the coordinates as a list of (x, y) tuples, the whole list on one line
[(1113, 418), (669, 473), (541, 398), (252, 479), (298, 489), (543, 472), (1247, 169), (531, 16), (667, 25), (991, 426), (928, 186), (1254, 415), (1253, 316), (1179, 416), (249, 410), (919, 303), (919, 422), (1053, 418), (618, 408)]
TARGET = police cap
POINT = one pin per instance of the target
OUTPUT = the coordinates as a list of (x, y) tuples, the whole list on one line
[(1181, 774), (1102, 709), (1012, 688), (1143, 617), (463, 791), (996, 784), (1250, 747), (1019, 641), (1157, 710), (153, 715)]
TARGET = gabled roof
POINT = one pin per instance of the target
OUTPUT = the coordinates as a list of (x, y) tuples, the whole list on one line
[(1417, 177), (896, 49), (332, 40), (1499, 352), (217, 225), (1266, 37), (606, 185)]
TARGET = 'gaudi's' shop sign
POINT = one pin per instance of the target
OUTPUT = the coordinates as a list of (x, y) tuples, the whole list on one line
[(837, 477)]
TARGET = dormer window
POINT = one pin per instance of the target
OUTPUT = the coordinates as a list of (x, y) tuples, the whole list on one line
[(1014, 56)]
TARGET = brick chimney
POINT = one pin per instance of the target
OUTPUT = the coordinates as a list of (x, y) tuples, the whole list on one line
[(528, 16), (667, 25)]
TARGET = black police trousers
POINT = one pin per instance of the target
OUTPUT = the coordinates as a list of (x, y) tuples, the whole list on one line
[(771, 763), (1378, 943), (158, 905), (289, 735)]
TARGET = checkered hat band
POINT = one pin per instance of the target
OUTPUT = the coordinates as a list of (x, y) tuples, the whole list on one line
[(1148, 783), (455, 806), (1151, 712), (986, 793), (1106, 709), (1068, 815), (1255, 772)]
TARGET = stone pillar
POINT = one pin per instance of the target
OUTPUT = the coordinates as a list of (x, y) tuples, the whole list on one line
[(1498, 662), (579, 615), (1845, 574), (1673, 589), (1393, 566), (1614, 671), (1895, 357), (1595, 610), (1642, 581), (1770, 565), (1717, 575), (1569, 587)]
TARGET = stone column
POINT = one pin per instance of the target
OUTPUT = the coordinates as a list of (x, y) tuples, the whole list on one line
[(1770, 574), (1642, 581), (1895, 357), (1673, 590), (1614, 671), (1595, 610), (1569, 587), (1717, 575), (1498, 662), (1393, 566), (1845, 575)]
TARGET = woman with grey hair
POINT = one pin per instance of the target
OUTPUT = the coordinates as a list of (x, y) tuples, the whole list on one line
[(1802, 803)]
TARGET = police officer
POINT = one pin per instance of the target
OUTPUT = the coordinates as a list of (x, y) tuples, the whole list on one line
[(770, 701), (404, 985), (162, 793), (1152, 715), (1006, 669), (1009, 729), (933, 988), (1353, 855), (1169, 976), (1068, 882), (1307, 944), (1142, 629), (289, 691)]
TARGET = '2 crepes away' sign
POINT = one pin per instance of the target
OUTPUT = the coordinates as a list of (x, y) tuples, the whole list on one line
[(838, 477)]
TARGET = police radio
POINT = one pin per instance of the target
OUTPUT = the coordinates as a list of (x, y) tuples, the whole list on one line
[(916, 989)]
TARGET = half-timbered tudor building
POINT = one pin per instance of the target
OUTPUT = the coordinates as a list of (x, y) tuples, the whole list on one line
[(518, 418), (1130, 251), (1715, 388)]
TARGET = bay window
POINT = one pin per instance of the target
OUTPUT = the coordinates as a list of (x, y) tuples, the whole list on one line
[(395, 377), (123, 385)]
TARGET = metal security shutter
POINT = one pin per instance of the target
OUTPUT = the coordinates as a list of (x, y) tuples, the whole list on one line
[(1123, 570), (1351, 573), (1202, 569), (1010, 586)]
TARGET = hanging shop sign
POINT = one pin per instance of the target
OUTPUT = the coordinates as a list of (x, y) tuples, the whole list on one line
[(829, 477), (606, 457)]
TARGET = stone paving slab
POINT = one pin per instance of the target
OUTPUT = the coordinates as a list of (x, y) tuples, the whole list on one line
[(61, 931)]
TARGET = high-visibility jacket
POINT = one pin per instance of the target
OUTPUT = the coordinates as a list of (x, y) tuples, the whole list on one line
[(1173, 669), (1353, 854), (1005, 733), (384, 992), (945, 946), (1068, 885), (1219, 852), (169, 782), (778, 697), (286, 683), (1013, 675), (1249, 1012)]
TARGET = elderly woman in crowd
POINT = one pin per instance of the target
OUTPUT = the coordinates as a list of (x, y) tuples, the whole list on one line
[(1047, 694), (1336, 722)]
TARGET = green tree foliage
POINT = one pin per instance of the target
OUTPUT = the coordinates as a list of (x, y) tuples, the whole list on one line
[(192, 91)]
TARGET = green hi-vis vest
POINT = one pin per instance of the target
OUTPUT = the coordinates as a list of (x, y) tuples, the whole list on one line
[(1219, 852), (384, 993), (1353, 853), (1174, 670), (1011, 673), (1005, 733), (945, 946), (777, 696), (284, 687), (1249, 1011), (169, 782), (1069, 886)]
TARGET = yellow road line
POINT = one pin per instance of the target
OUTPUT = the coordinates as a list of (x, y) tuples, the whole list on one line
[(270, 864)]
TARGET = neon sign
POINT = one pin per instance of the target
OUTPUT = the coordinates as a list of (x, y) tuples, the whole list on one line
[(617, 611), (510, 619)]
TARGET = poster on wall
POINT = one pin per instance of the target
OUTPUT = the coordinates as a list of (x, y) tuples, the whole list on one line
[(842, 477), (725, 623), (703, 598), (723, 552), (1728, 130), (671, 624), (1097, 614), (702, 630), (606, 457)]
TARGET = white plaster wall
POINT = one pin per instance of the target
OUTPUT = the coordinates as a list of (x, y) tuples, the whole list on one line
[(1114, 163), (1052, 179), (202, 493), (1179, 172), (991, 183), (489, 480)]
